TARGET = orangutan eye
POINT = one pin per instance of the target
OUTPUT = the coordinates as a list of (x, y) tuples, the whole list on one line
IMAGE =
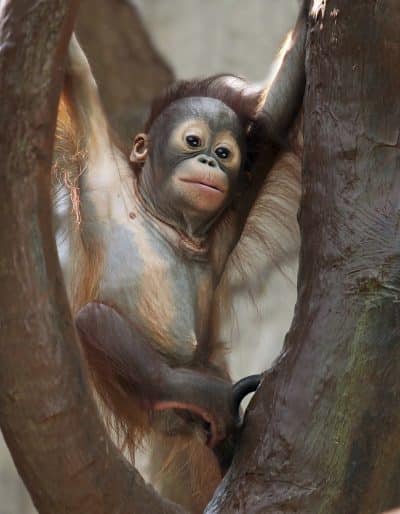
[(222, 152), (193, 141)]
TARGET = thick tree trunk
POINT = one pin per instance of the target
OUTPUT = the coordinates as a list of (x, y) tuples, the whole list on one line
[(323, 433), (47, 414)]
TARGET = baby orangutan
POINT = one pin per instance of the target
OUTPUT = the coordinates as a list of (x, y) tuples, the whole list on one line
[(151, 232)]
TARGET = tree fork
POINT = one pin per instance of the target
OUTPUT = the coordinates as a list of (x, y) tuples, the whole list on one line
[(323, 431), (47, 414), (322, 434)]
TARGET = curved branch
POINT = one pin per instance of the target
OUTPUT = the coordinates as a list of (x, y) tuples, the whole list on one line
[(47, 414)]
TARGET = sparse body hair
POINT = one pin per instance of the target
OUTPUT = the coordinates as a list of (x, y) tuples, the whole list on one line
[(155, 239)]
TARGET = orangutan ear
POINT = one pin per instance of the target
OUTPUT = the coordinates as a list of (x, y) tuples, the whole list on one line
[(140, 148)]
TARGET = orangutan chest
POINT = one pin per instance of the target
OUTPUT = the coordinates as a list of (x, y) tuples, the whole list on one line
[(168, 298)]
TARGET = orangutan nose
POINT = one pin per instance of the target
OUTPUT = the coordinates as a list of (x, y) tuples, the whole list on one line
[(209, 161)]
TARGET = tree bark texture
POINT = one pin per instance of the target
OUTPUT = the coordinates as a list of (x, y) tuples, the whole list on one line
[(323, 432), (47, 413), (127, 68)]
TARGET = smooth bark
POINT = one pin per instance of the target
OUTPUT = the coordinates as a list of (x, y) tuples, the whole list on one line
[(322, 435), (47, 414)]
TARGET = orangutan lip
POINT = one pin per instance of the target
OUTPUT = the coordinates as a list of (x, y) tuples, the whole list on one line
[(205, 184)]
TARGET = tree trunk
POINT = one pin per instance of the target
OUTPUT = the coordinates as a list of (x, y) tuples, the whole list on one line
[(47, 414), (323, 432)]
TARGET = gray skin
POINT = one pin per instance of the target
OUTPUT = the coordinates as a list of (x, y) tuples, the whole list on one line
[(159, 193), (161, 270), (163, 250)]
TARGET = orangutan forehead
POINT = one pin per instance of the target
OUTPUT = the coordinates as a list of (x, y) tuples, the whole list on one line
[(217, 115)]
